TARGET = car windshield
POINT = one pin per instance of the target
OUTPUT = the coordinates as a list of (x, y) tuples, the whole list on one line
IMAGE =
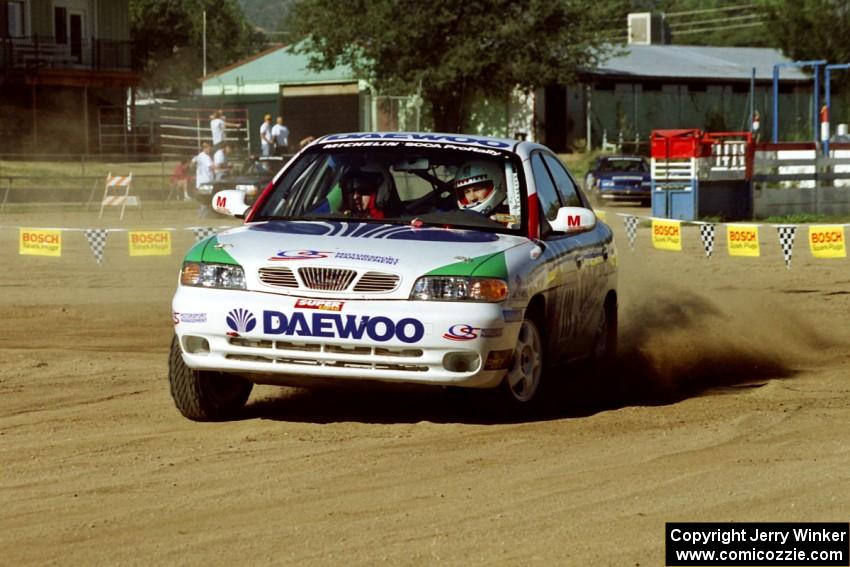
[(623, 164), (461, 187)]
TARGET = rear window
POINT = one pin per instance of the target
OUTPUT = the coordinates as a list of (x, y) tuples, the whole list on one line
[(624, 164)]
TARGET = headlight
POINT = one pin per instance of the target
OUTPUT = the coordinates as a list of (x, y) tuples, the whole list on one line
[(205, 189), (247, 189), (220, 276), (459, 288)]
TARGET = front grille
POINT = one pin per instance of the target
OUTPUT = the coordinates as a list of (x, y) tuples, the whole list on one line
[(331, 355), (327, 279), (278, 277), (373, 282)]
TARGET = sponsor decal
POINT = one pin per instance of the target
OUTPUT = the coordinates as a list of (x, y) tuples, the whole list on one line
[(149, 242), (366, 258), (466, 332), (299, 255), (40, 242), (335, 325), (667, 235), (188, 317), (827, 241), (241, 320), (321, 304), (742, 240), (449, 138), (461, 332)]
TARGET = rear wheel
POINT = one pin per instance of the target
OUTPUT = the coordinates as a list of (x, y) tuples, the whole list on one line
[(202, 395), (605, 341)]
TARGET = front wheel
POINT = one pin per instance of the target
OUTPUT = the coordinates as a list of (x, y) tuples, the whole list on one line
[(202, 395), (522, 382)]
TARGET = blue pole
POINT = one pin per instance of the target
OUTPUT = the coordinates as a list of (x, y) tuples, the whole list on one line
[(775, 125), (815, 100)]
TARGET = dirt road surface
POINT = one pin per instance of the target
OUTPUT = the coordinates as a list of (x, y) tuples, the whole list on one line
[(730, 401)]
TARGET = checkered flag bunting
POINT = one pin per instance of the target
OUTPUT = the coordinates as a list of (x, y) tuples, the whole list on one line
[(97, 242), (631, 223), (786, 241), (202, 232), (706, 234)]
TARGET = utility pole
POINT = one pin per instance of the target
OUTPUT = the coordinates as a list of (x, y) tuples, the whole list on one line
[(205, 43)]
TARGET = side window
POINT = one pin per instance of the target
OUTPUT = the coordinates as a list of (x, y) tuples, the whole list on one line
[(547, 195), (566, 188)]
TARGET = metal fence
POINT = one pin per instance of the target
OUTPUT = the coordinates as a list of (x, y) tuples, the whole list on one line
[(46, 51), (80, 179)]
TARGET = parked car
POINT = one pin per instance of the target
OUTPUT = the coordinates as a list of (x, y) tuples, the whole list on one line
[(434, 259), (251, 177), (620, 178)]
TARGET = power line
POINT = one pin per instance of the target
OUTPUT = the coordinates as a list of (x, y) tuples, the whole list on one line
[(716, 20), (718, 28), (707, 10)]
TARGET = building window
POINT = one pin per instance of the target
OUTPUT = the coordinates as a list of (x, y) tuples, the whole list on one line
[(60, 25), (14, 12)]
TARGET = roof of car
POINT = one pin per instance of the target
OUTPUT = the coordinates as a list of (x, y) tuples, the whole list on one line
[(461, 139)]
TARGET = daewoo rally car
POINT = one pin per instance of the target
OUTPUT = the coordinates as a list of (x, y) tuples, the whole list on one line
[(437, 259)]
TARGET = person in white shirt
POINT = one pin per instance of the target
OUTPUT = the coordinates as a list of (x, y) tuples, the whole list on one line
[(280, 137), (204, 169), (221, 164), (266, 141), (217, 127)]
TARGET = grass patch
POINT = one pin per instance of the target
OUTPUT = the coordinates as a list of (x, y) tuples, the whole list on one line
[(807, 218)]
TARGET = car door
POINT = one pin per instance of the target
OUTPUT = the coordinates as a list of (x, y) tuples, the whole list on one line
[(560, 262), (591, 254)]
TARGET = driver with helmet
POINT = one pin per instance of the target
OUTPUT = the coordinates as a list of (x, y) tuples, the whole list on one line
[(480, 187)]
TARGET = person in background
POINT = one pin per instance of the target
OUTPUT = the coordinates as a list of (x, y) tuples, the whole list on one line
[(756, 126), (266, 141), (217, 127), (180, 178), (204, 170), (221, 162), (280, 137)]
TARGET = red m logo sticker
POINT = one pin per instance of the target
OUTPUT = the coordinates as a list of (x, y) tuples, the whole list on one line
[(221, 202), (574, 220)]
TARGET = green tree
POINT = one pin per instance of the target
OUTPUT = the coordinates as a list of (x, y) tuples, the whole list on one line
[(169, 40), (450, 51), (807, 30)]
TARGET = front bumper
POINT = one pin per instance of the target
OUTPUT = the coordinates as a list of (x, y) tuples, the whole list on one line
[(275, 339)]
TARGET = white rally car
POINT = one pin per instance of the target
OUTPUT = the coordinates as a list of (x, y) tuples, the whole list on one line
[(439, 259)]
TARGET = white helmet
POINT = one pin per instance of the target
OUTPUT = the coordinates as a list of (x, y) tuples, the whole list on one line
[(486, 182)]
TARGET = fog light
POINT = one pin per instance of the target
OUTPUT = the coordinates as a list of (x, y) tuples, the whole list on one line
[(498, 359), (462, 361), (196, 345)]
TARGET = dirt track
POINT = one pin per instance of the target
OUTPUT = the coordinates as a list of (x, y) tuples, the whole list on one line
[(731, 402)]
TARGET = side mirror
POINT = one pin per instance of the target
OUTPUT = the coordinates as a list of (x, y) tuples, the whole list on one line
[(572, 220), (230, 202)]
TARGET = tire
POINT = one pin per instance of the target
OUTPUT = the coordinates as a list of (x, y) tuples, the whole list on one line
[(202, 395), (605, 341), (522, 384)]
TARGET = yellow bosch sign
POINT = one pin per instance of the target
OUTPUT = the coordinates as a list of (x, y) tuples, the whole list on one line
[(150, 243), (40, 242), (827, 241), (743, 240), (667, 235)]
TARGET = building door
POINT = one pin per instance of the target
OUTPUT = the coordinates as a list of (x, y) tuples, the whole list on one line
[(75, 35)]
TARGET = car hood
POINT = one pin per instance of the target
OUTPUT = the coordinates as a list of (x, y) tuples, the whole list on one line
[(272, 253)]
